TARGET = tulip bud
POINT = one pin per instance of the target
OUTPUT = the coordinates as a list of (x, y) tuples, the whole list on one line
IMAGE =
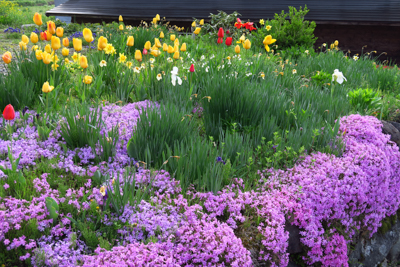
[(161, 35), (120, 18), (336, 43), (138, 55), (51, 27), (46, 58), (221, 33), (228, 32), (46, 88), (7, 57), (237, 49), (87, 79), (176, 42), (83, 62), (130, 41), (66, 42), (202, 22), (197, 30), (183, 47), (9, 112), (121, 27), (37, 19), (220, 40), (172, 37), (25, 39), (43, 36), (228, 41), (47, 48), (247, 44), (147, 45), (144, 51), (102, 43), (191, 68), (77, 44), (87, 35), (176, 55), (55, 43), (332, 46), (22, 45), (165, 47), (65, 52), (158, 17), (157, 43), (39, 54), (60, 32), (170, 50), (34, 38), (194, 24)]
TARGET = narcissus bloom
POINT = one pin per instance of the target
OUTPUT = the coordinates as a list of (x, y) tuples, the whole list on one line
[(65, 42), (102, 43), (51, 27), (60, 32), (147, 45), (172, 37), (37, 19), (221, 33), (237, 49), (83, 62), (247, 44), (88, 35), (55, 43), (161, 35), (122, 58), (87, 79), (34, 38), (267, 41), (130, 41), (228, 41), (120, 18), (268, 27), (7, 57), (202, 22), (138, 55), (77, 44), (47, 88), (159, 76), (9, 112), (25, 39), (337, 76), (191, 69), (262, 22), (65, 52), (103, 63), (183, 47), (197, 30)]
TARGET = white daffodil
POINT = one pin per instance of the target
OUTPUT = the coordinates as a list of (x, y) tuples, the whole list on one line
[(338, 76), (159, 76), (175, 76), (136, 69), (294, 71), (103, 63), (355, 58), (152, 60), (170, 60)]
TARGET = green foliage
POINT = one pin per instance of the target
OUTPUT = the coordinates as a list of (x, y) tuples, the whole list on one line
[(220, 20), (52, 208), (321, 78), (362, 99)]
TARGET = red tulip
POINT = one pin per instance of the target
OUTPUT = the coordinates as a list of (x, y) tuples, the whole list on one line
[(221, 33), (220, 40), (9, 112), (144, 51), (228, 32), (228, 41), (191, 68)]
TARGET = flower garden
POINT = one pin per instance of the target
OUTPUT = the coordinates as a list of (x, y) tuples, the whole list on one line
[(159, 145)]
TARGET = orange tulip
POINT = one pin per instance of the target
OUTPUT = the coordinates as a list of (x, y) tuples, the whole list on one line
[(43, 36), (66, 42), (34, 38), (48, 36), (60, 31), (83, 62), (87, 34), (7, 57), (37, 18), (77, 44), (51, 27)]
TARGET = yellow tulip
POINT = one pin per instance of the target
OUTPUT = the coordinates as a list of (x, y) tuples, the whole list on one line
[(37, 19), (7, 57), (336, 43), (22, 45), (155, 20), (130, 41), (138, 55), (172, 37), (197, 30), (332, 46), (247, 44), (66, 42), (176, 48), (121, 27), (65, 52), (60, 32), (102, 43), (158, 17), (47, 48), (176, 55), (165, 47), (25, 39), (47, 88), (170, 50), (83, 62), (55, 43), (46, 58), (237, 49), (183, 47), (157, 42), (202, 22), (39, 54), (87, 35), (194, 24), (35, 47), (51, 27), (34, 38), (120, 18), (155, 52), (176, 42), (147, 45), (267, 41), (87, 79), (161, 35), (77, 44)]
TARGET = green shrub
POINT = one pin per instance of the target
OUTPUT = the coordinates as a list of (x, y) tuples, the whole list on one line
[(17, 90), (362, 99)]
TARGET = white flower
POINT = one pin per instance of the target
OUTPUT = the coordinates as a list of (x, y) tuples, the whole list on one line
[(355, 58), (294, 71), (306, 52), (248, 74), (338, 76), (151, 60), (202, 58), (136, 69), (207, 68), (159, 76), (175, 76), (170, 60), (103, 63)]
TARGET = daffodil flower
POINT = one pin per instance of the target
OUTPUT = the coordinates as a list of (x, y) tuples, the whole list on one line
[(338, 76), (159, 76), (103, 63), (175, 76)]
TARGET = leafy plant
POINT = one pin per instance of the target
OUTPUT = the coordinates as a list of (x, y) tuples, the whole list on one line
[(362, 99)]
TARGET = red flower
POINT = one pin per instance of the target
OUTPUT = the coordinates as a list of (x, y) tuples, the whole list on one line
[(191, 68), (144, 51), (238, 25), (228, 41), (249, 26), (220, 40), (9, 112), (221, 33), (43, 36), (228, 32)]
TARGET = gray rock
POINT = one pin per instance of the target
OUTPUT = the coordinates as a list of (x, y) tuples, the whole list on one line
[(294, 245), (394, 252), (27, 25), (396, 125), (388, 128)]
